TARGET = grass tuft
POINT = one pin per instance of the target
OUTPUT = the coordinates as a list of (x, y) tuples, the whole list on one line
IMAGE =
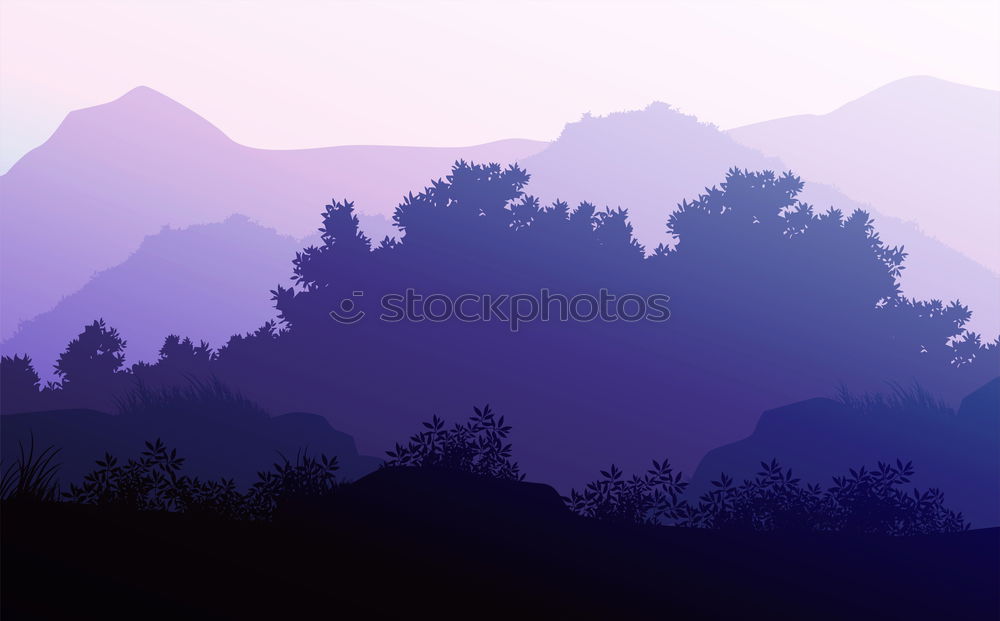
[(210, 399), (31, 477)]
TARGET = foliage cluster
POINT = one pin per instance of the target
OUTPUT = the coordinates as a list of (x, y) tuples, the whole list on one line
[(477, 447), (153, 482), (866, 502)]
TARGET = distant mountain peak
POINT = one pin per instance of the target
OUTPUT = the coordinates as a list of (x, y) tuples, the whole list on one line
[(924, 81), (140, 111), (658, 124), (921, 94), (916, 79), (145, 93)]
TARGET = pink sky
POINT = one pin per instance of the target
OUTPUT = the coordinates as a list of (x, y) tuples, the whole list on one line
[(301, 74)]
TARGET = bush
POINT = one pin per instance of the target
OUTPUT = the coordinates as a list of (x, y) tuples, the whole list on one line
[(869, 502), (477, 447), (865, 502), (93, 357), (638, 500), (303, 483), (153, 483)]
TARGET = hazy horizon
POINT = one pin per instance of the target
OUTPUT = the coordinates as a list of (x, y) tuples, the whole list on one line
[(339, 73)]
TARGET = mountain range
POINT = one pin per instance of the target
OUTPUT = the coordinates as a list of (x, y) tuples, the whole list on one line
[(168, 271), (126, 211), (111, 175), (648, 161), (919, 149)]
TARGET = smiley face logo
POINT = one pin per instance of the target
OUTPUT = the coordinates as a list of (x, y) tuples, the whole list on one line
[(348, 311)]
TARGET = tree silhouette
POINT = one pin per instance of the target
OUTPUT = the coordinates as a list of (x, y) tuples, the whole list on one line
[(93, 357), (184, 353), (342, 243)]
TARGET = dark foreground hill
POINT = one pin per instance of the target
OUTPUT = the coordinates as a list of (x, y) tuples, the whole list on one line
[(417, 543)]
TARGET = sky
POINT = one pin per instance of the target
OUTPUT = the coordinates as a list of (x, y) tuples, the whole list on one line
[(278, 74)]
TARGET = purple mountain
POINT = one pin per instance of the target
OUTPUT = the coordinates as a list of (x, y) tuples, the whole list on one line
[(648, 161), (207, 281), (920, 149), (112, 174)]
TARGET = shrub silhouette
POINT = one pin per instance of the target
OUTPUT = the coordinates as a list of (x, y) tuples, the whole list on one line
[(648, 499), (477, 447), (343, 244), (184, 352), (182, 356), (148, 483), (31, 477), (294, 486), (92, 357), (865, 502), (241, 347), (152, 482)]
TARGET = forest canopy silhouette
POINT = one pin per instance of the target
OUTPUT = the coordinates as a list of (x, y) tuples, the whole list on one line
[(771, 300)]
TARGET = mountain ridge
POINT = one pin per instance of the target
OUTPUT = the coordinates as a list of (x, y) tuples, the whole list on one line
[(916, 148), (649, 160), (145, 97), (175, 168), (188, 172)]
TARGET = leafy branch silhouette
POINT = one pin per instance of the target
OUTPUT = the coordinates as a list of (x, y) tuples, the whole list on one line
[(866, 501), (478, 447), (645, 499), (153, 482)]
